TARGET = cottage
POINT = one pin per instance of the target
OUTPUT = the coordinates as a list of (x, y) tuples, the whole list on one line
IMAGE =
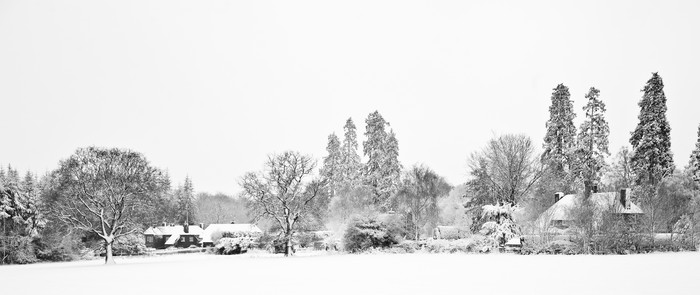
[(560, 215), (180, 236), (214, 231)]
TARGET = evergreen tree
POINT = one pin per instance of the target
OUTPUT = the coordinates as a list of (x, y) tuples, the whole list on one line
[(12, 177), (392, 166), (351, 164), (651, 140), (331, 170), (592, 140), (694, 165), (559, 141), (29, 185), (185, 203), (380, 171)]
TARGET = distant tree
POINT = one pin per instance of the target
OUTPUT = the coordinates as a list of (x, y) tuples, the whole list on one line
[(281, 191), (559, 140), (220, 208), (351, 200), (101, 189), (332, 165), (652, 159), (619, 174), (592, 141), (694, 164), (452, 208), (351, 165), (419, 194), (186, 209), (382, 170), (12, 176), (21, 220), (504, 170)]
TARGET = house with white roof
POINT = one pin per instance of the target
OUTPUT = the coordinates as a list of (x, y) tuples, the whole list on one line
[(180, 236), (561, 214)]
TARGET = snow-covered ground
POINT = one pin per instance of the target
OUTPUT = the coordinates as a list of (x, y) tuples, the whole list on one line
[(320, 273)]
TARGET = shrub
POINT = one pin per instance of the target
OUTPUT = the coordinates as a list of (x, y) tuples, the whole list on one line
[(365, 233), (408, 246), (553, 247), (229, 246), (474, 243), (18, 250)]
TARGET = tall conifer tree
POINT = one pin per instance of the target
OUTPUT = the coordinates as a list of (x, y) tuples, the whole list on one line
[(592, 140), (560, 139), (185, 198), (694, 165), (381, 148), (652, 159), (351, 165), (331, 170)]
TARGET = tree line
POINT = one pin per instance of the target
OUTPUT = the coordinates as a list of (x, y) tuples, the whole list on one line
[(104, 195)]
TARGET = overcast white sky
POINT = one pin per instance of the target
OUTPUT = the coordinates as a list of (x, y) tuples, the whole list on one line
[(208, 88)]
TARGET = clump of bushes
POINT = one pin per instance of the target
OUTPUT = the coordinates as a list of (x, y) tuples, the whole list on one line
[(230, 246), (474, 243), (364, 233), (553, 247)]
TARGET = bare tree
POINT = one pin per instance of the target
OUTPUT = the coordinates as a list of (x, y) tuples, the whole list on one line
[(507, 169), (419, 194), (281, 191), (102, 189)]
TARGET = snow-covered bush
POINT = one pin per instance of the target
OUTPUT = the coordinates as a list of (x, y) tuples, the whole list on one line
[(132, 244), (499, 226), (471, 244), (365, 233), (229, 246)]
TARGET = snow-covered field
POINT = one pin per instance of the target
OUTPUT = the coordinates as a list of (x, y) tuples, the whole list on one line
[(320, 273)]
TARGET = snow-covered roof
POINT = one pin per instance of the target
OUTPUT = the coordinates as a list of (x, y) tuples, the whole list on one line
[(172, 230), (563, 209), (172, 240), (229, 228)]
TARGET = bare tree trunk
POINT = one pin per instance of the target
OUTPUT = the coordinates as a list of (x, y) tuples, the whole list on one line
[(109, 259)]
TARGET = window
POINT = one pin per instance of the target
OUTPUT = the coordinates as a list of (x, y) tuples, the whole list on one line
[(149, 239), (182, 239), (191, 239)]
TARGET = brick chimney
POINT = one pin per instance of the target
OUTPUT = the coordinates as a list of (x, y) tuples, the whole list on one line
[(594, 188), (186, 228), (201, 225), (558, 196), (625, 195)]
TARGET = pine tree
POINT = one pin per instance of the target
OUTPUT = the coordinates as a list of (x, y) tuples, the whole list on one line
[(381, 148), (392, 166), (29, 186), (651, 140), (12, 177), (592, 141), (694, 165), (185, 197), (331, 170), (351, 165), (559, 141)]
